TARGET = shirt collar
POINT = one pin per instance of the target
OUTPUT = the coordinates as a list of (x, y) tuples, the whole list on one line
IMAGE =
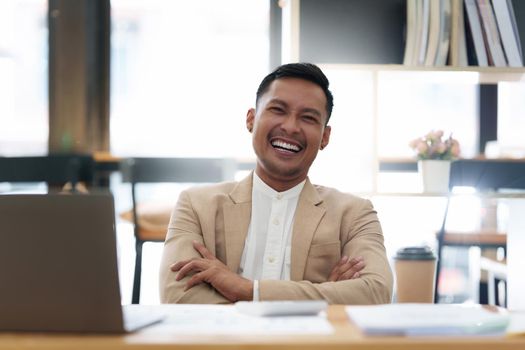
[(260, 186)]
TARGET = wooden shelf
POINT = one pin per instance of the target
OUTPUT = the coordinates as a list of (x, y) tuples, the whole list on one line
[(484, 195), (482, 75), (410, 164), (480, 238)]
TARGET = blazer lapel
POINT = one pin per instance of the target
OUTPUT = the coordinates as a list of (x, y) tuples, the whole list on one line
[(307, 217), (237, 215)]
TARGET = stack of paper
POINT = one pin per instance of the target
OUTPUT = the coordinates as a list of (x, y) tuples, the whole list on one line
[(226, 320), (429, 319)]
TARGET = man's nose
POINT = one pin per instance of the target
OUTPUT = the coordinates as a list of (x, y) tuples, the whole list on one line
[(290, 124)]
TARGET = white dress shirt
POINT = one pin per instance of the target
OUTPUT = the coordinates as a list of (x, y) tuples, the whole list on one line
[(267, 249)]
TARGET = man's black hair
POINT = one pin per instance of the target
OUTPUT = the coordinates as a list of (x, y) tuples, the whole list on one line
[(306, 71)]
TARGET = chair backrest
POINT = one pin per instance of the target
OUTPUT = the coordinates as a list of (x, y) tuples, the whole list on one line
[(488, 174), (56, 170), (175, 170), (184, 170)]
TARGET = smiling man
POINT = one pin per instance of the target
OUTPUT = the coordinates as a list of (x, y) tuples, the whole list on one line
[(274, 235)]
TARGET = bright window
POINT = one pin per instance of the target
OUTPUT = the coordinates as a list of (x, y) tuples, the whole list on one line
[(413, 103), (511, 119), (23, 77), (184, 74), (348, 162)]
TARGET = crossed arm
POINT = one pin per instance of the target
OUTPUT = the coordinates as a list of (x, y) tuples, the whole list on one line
[(209, 269)]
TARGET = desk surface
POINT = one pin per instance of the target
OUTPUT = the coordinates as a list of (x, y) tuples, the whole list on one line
[(346, 336)]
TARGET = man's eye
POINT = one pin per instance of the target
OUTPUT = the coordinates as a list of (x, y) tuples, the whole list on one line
[(276, 109), (310, 118)]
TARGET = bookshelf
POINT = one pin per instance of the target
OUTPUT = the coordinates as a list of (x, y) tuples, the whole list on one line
[(357, 32)]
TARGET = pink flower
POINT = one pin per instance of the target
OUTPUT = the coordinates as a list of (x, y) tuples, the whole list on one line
[(421, 147), (432, 146), (434, 135), (454, 148), (441, 147), (414, 143)]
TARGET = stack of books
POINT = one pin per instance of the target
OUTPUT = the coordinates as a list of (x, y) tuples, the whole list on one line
[(461, 33)]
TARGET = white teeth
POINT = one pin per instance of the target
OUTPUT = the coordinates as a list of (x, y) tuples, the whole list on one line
[(287, 146)]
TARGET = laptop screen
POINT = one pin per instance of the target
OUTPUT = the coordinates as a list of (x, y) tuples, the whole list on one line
[(58, 264)]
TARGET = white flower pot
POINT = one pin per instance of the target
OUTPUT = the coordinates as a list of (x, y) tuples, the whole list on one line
[(435, 175)]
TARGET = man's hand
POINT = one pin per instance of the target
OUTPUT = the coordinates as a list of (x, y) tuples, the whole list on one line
[(347, 269), (211, 270)]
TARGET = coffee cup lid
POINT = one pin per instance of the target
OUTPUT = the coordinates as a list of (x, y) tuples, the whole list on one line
[(415, 253)]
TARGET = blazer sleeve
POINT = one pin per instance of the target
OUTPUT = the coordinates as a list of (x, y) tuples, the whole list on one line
[(184, 228), (363, 237)]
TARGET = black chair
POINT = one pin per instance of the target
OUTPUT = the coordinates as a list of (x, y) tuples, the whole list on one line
[(165, 170), (485, 176), (56, 170)]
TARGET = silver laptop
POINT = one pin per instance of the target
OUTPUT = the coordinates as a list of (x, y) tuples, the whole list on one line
[(58, 266)]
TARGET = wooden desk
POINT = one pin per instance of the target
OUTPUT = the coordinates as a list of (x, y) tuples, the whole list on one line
[(346, 337)]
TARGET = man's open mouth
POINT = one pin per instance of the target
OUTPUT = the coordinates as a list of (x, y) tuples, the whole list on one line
[(279, 144)]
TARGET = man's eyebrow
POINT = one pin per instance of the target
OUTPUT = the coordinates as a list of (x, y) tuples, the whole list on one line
[(313, 111), (278, 101)]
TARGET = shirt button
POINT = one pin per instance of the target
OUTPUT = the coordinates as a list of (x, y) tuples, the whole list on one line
[(271, 259), (276, 221), (279, 196)]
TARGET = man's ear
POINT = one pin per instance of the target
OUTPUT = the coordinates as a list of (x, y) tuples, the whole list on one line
[(250, 119), (326, 137)]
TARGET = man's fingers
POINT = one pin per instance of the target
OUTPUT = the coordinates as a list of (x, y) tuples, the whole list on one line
[(353, 271), (346, 269), (334, 274), (195, 279), (355, 264), (176, 267), (349, 276), (193, 265), (203, 251)]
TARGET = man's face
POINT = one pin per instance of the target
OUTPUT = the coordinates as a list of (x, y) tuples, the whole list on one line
[(288, 130)]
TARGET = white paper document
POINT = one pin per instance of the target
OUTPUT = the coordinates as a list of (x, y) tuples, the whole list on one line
[(226, 320), (429, 319)]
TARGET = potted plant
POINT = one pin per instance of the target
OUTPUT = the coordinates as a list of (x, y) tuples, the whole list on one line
[(434, 154)]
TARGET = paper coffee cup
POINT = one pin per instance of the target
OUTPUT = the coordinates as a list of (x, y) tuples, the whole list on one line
[(415, 275)]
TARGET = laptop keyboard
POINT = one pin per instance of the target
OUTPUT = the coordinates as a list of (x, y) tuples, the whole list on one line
[(138, 316)]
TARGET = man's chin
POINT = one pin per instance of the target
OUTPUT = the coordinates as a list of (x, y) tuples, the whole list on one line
[(283, 172)]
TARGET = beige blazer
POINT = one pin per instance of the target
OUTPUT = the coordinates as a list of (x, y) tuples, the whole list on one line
[(327, 225)]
